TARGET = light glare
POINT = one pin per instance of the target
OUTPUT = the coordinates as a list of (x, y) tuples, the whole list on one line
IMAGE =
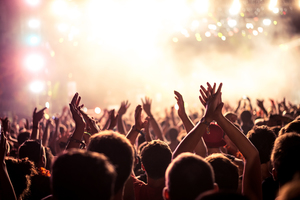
[(34, 62), (232, 23), (267, 22), (235, 8), (97, 110), (33, 23), (36, 86)]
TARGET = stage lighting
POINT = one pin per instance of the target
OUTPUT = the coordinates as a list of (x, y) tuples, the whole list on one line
[(223, 38), (36, 86), (33, 23), (207, 34), (34, 62), (34, 40), (235, 8), (212, 27), (255, 32), (249, 26), (97, 110), (275, 10), (267, 22), (260, 29), (232, 23), (33, 2), (272, 4), (59, 7), (201, 6), (47, 105)]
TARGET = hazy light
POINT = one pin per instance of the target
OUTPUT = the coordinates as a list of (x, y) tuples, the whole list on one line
[(219, 23), (47, 105), (255, 32), (212, 27), (34, 62), (36, 86), (61, 40), (97, 110), (223, 38), (201, 6), (235, 8), (275, 10), (195, 24), (84, 109), (220, 34), (260, 29), (34, 40), (185, 33), (52, 53), (198, 37), (207, 34), (33, 2), (272, 4), (249, 26), (232, 23), (59, 7), (175, 39), (275, 22), (176, 106), (33, 23), (267, 22), (62, 27)]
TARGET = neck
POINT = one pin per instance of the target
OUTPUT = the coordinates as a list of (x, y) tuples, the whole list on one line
[(156, 182)]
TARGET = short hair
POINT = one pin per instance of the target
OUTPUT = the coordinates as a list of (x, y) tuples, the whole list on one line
[(33, 150), (119, 151), (80, 174), (173, 133), (20, 171), (246, 116), (285, 156), (156, 157), (263, 138), (226, 172), (188, 176), (293, 126), (22, 137)]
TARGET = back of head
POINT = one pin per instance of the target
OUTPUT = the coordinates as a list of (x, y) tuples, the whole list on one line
[(23, 136), (118, 150), (293, 126), (188, 176), (246, 116), (221, 195), (82, 174), (263, 138), (33, 150), (285, 157), (156, 157), (173, 134), (226, 172)]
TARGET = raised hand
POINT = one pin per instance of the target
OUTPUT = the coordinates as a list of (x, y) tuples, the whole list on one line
[(76, 101), (139, 124), (123, 108), (76, 116), (113, 119), (91, 124), (180, 103), (37, 116), (147, 105)]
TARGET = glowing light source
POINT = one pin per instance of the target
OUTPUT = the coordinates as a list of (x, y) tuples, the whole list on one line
[(175, 39), (33, 23), (275, 10), (195, 24), (62, 27), (201, 6), (33, 2), (176, 106), (219, 23), (34, 62), (84, 109), (59, 7), (272, 4), (97, 110), (260, 29), (255, 32), (33, 40), (232, 23), (223, 38), (249, 26), (212, 27), (47, 104), (198, 37), (275, 22), (185, 33), (235, 8), (267, 22), (207, 34), (36, 86)]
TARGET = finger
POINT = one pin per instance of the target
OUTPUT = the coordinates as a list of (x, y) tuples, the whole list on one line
[(142, 101), (202, 101), (204, 90), (220, 87), (78, 101), (74, 99), (34, 111), (214, 88), (203, 95)]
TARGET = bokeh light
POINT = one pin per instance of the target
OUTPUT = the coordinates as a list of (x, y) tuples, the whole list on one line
[(36, 86), (34, 62)]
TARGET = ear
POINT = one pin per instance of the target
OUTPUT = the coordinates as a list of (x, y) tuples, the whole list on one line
[(274, 174), (216, 187), (166, 193)]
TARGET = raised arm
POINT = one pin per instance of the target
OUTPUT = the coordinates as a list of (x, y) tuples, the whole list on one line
[(76, 138), (91, 124), (251, 178), (122, 110), (36, 117), (155, 126), (6, 187), (187, 122), (46, 134)]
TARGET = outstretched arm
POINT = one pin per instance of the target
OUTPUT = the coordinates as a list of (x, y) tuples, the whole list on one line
[(6, 187), (122, 110), (36, 117), (155, 126), (252, 174)]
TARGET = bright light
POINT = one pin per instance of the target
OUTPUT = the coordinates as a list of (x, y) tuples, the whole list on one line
[(34, 62), (185, 33), (275, 10), (255, 32), (232, 23), (176, 106), (47, 105), (175, 39), (33, 23), (219, 23), (97, 110), (195, 24), (223, 38), (212, 27), (267, 22), (272, 4), (84, 109), (62, 27), (235, 8), (59, 7), (198, 37), (33, 2), (34, 40), (249, 26), (260, 29), (36, 86), (207, 34), (201, 6)]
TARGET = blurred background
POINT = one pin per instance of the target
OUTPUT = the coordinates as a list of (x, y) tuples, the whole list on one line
[(116, 50)]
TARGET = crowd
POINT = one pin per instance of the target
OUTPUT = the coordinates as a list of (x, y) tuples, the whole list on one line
[(227, 153)]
